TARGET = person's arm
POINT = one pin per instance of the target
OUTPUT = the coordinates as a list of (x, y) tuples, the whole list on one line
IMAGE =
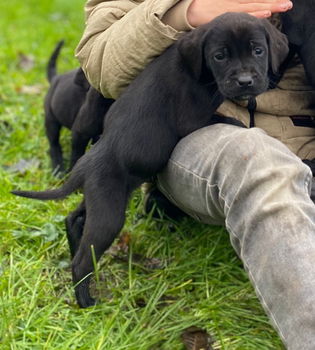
[(122, 37)]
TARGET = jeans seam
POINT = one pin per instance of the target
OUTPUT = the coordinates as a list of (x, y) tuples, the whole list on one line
[(188, 170), (201, 178)]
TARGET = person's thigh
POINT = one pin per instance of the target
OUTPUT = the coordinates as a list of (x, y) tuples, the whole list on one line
[(209, 166)]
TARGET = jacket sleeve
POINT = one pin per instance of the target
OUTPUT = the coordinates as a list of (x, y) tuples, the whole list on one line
[(121, 37)]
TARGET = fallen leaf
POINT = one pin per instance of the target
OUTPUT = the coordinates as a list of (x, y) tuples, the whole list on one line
[(120, 252), (30, 89), (124, 242), (195, 338), (26, 62)]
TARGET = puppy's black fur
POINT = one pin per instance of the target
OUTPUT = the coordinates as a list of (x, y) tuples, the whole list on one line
[(71, 102), (176, 94), (299, 25)]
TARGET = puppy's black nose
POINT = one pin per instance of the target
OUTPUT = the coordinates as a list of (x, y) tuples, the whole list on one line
[(245, 80)]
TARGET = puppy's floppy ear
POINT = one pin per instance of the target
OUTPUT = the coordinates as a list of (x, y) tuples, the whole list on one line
[(81, 80), (190, 47), (278, 46)]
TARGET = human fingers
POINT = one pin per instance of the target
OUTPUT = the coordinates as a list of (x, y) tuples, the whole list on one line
[(203, 11), (261, 14), (262, 5)]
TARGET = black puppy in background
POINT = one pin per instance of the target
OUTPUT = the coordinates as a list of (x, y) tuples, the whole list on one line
[(299, 25), (177, 93), (71, 102)]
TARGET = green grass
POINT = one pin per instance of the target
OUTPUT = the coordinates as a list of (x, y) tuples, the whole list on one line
[(198, 279)]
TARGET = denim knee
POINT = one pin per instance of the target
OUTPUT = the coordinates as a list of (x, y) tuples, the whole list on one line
[(253, 162), (266, 183)]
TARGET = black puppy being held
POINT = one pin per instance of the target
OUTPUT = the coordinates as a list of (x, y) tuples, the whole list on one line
[(176, 94), (71, 102)]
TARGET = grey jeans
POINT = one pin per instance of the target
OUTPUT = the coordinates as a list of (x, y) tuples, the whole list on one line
[(260, 191)]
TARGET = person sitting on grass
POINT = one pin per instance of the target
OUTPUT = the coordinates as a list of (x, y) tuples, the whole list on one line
[(252, 180)]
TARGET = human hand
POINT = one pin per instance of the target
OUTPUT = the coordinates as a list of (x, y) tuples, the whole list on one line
[(203, 11)]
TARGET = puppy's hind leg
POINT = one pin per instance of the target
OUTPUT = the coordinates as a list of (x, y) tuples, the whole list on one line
[(106, 202), (74, 227), (79, 144), (53, 131)]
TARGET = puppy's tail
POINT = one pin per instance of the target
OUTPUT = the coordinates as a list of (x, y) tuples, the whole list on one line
[(51, 66), (73, 183)]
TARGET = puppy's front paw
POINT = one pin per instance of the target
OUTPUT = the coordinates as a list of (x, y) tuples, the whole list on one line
[(84, 298), (87, 302)]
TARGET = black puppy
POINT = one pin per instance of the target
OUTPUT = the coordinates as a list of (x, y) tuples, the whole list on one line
[(299, 25), (176, 94), (73, 103)]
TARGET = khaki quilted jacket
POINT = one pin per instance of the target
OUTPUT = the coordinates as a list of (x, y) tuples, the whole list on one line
[(122, 36)]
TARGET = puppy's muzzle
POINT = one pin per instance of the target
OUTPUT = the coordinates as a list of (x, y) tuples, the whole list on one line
[(245, 80), (243, 85)]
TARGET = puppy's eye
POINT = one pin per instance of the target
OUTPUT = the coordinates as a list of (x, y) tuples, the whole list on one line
[(258, 51), (220, 56)]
